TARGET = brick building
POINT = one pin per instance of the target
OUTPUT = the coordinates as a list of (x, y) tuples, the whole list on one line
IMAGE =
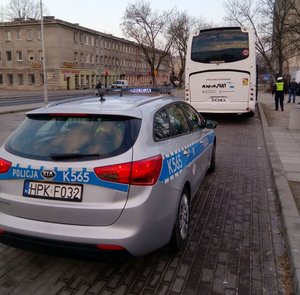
[(76, 57)]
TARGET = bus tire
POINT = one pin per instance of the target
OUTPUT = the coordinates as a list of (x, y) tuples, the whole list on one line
[(250, 114)]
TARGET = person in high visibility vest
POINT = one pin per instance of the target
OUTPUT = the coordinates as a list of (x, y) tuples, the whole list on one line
[(279, 89)]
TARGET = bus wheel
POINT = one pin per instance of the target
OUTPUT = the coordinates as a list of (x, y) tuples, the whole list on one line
[(250, 114)]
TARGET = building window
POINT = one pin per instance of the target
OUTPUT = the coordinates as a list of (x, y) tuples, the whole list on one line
[(86, 40), (10, 79), (81, 57), (40, 34), (18, 35), (29, 35), (1, 79), (31, 79), (30, 54), (0, 55), (75, 35), (8, 36), (19, 55), (20, 79), (8, 55), (75, 56), (41, 56), (87, 60)]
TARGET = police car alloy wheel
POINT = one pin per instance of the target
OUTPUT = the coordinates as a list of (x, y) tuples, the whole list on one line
[(182, 222)]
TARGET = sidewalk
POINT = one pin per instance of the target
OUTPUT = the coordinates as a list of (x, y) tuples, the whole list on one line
[(284, 151)]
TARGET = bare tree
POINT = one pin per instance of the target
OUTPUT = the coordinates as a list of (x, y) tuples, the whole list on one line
[(23, 9), (271, 21), (286, 31), (179, 30), (201, 23), (294, 26), (148, 28)]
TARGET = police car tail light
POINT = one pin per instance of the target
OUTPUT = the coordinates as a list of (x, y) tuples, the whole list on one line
[(146, 172), (4, 165), (69, 115), (110, 247), (115, 173), (143, 172)]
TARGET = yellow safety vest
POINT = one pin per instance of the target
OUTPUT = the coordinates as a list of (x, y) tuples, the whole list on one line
[(279, 86)]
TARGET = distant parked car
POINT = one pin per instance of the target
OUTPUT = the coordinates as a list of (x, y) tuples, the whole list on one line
[(120, 84), (117, 173)]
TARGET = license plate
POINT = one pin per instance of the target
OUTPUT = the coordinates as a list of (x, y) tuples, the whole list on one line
[(54, 191)]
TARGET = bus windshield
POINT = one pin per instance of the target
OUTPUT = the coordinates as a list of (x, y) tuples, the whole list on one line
[(220, 46)]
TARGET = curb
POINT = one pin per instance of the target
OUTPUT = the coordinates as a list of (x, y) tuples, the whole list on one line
[(289, 213)]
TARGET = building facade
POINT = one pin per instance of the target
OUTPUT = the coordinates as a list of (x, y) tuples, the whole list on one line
[(76, 57)]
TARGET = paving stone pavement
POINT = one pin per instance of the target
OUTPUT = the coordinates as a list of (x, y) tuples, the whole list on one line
[(236, 245)]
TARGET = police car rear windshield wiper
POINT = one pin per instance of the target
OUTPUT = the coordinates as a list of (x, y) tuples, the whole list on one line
[(69, 156)]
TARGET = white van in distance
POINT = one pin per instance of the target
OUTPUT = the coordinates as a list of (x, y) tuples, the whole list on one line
[(120, 84)]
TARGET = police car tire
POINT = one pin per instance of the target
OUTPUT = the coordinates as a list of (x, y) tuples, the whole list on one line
[(212, 165), (181, 228)]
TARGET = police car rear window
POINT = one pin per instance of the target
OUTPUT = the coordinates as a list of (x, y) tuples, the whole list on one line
[(64, 137)]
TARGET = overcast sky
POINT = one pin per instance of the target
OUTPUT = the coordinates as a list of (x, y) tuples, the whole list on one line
[(106, 16)]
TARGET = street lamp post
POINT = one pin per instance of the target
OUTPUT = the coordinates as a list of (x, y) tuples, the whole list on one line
[(44, 56)]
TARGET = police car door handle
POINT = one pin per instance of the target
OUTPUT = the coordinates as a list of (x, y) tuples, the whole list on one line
[(186, 152)]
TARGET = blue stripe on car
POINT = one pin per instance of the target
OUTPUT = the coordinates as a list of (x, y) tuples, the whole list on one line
[(175, 162), (62, 176)]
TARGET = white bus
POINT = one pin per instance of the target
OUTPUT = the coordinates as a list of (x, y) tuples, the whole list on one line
[(220, 73)]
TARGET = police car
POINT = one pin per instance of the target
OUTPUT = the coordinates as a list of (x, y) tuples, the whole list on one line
[(111, 173)]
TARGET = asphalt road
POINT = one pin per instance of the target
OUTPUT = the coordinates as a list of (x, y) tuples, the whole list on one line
[(235, 244)]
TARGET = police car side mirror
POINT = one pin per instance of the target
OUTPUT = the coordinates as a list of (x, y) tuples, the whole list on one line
[(211, 124)]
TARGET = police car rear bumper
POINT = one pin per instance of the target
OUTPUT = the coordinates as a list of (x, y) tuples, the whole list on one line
[(139, 229)]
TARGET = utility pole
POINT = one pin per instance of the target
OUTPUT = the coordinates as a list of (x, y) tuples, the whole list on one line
[(44, 56)]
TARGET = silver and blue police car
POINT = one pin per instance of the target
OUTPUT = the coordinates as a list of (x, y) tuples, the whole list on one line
[(111, 173)]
